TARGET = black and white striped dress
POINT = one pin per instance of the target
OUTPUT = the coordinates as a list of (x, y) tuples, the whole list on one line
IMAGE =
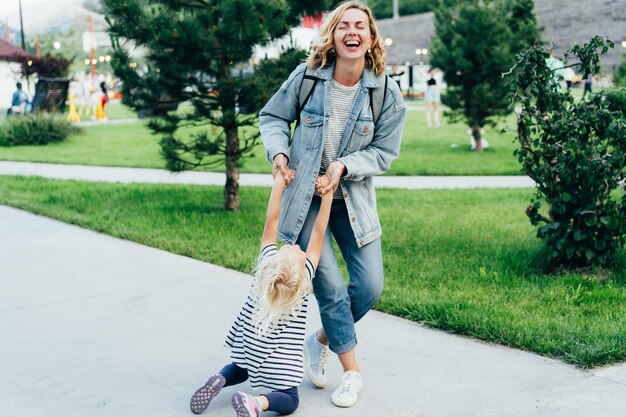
[(274, 360)]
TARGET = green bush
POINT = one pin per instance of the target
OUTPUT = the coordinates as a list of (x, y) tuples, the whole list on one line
[(575, 151), (35, 129)]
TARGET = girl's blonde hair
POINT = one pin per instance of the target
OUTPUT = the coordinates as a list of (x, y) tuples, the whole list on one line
[(281, 285), (321, 55)]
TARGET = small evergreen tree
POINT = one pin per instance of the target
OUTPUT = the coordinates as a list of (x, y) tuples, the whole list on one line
[(475, 43), (194, 53)]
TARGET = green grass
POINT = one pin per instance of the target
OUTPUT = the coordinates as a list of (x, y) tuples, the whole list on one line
[(465, 261), (425, 151)]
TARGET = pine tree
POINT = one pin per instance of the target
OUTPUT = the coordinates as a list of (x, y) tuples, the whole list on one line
[(475, 42), (194, 51)]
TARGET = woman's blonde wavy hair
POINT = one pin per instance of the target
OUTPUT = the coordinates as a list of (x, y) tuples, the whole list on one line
[(281, 285), (320, 55)]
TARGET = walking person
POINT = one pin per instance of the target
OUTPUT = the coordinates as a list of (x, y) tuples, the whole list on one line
[(432, 100), (267, 337), (349, 125)]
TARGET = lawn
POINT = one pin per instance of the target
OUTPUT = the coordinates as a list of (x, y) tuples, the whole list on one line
[(425, 151), (466, 261)]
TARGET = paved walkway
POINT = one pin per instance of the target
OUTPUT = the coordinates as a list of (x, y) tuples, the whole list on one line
[(101, 327), (130, 175), (96, 326)]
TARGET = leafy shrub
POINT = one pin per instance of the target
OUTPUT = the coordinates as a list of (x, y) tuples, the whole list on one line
[(575, 151), (35, 129), (47, 66)]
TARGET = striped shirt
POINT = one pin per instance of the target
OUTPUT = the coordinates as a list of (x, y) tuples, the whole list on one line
[(341, 102), (274, 360)]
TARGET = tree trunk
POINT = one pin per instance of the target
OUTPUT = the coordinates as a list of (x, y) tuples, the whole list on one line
[(477, 139), (231, 189)]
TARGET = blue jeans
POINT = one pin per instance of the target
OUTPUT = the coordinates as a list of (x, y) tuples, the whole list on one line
[(341, 307)]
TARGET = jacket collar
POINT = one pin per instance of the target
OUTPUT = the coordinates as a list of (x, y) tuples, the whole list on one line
[(368, 79)]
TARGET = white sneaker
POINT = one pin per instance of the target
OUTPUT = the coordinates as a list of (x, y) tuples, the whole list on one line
[(316, 356), (346, 394)]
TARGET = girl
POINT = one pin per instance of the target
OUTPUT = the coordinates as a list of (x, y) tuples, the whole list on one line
[(340, 133), (267, 338)]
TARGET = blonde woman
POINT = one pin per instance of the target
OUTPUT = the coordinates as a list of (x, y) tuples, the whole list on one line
[(339, 131), (266, 340)]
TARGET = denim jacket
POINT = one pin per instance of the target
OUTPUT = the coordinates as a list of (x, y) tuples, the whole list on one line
[(366, 150)]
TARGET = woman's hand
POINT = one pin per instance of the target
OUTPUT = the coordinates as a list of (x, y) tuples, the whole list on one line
[(334, 173), (280, 167)]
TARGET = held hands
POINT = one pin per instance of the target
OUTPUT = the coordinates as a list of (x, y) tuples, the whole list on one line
[(281, 168), (334, 173), (322, 182)]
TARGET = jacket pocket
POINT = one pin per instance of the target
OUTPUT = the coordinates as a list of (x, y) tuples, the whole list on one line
[(362, 135), (312, 129)]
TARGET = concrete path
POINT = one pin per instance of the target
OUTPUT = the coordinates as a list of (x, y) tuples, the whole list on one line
[(93, 326), (131, 175)]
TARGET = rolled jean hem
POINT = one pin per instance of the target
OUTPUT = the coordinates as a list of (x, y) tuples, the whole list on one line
[(347, 347)]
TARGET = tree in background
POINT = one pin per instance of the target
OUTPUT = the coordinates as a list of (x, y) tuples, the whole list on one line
[(475, 43), (194, 51)]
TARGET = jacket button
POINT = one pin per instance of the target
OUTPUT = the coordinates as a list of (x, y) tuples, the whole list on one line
[(345, 195), (308, 120), (353, 218), (365, 129)]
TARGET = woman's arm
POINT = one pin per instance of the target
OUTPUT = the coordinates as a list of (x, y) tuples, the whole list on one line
[(277, 115), (270, 231), (316, 241)]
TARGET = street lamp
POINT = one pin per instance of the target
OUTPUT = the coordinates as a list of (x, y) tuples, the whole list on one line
[(623, 44), (57, 45), (388, 41)]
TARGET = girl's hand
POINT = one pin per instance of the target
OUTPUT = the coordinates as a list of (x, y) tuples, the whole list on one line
[(322, 182), (280, 167), (286, 177), (334, 172)]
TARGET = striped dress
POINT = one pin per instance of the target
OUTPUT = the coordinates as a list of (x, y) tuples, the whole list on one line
[(274, 360)]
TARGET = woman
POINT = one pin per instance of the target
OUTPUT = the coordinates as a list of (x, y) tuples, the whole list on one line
[(432, 99), (336, 135)]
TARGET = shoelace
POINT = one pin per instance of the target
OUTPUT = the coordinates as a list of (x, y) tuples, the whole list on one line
[(323, 359), (346, 384)]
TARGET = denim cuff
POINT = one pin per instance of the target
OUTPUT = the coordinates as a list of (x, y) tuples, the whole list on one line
[(346, 347)]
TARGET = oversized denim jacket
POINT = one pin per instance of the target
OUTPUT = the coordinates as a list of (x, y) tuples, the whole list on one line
[(366, 150)]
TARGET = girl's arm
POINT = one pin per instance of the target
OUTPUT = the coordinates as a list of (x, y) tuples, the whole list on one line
[(270, 232), (316, 241)]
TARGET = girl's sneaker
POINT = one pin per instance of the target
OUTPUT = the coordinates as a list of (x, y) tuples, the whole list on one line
[(203, 396), (244, 405)]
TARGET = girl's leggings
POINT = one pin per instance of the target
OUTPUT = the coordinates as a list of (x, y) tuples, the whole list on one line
[(282, 402)]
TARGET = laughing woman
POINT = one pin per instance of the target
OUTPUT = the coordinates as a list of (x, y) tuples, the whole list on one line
[(349, 128)]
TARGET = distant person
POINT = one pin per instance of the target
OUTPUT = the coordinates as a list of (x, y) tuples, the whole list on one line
[(19, 101), (568, 76), (588, 80), (396, 75), (557, 68), (432, 100), (105, 97)]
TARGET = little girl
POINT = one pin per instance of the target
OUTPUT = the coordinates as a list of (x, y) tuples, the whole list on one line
[(267, 338)]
